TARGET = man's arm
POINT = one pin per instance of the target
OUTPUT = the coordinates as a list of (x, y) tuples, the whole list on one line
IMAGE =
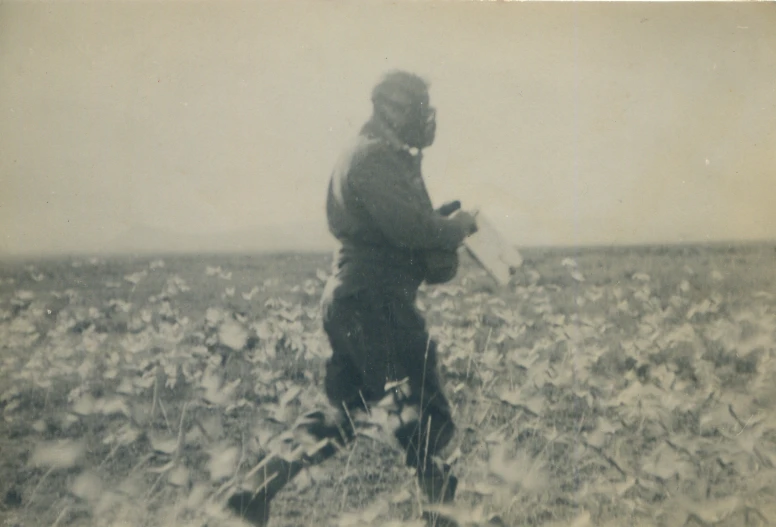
[(399, 210)]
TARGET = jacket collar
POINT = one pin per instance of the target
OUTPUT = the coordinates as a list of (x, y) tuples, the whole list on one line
[(377, 129)]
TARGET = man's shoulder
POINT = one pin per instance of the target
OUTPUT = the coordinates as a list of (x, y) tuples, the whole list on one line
[(366, 148), (363, 151)]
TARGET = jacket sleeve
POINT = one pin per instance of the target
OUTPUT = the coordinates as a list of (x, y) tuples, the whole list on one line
[(399, 210)]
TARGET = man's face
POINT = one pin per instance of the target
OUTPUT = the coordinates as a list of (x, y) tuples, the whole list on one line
[(428, 118), (420, 127), (414, 119)]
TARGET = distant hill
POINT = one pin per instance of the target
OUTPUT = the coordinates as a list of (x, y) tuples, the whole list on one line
[(287, 237)]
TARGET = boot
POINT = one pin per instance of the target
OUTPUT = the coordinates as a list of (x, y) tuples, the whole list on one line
[(439, 486), (253, 509), (315, 438), (253, 506)]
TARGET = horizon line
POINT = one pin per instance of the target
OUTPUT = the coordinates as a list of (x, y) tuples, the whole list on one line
[(321, 250)]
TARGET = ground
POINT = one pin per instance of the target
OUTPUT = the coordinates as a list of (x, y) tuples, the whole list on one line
[(608, 386)]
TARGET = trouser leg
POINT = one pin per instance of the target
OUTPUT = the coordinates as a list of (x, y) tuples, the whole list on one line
[(373, 341), (423, 432), (316, 437), (423, 439), (426, 437)]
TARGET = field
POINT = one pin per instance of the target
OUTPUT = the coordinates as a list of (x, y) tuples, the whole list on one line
[(607, 387)]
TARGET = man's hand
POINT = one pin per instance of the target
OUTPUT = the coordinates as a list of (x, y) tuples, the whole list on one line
[(442, 266), (466, 221), (448, 208)]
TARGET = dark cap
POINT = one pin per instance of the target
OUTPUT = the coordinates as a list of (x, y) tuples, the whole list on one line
[(400, 87)]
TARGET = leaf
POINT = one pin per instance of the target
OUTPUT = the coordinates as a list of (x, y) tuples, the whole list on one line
[(9, 395), (163, 468), (663, 376), (217, 271), (213, 425), (242, 403), (402, 496), (60, 454), (24, 296), (211, 383), (481, 488), (555, 320), (223, 462), (213, 316), (637, 392), (39, 426), (520, 471), (601, 434), (583, 519), (233, 335), (263, 435), (264, 330), (365, 517), (303, 481), (136, 278), (624, 486), (720, 419), (23, 326), (534, 404), (249, 295), (112, 406), (290, 394), (87, 486), (665, 463), (711, 512), (67, 420), (197, 496), (108, 503), (126, 435), (464, 515), (310, 288), (86, 405), (146, 381), (179, 476), (164, 445)]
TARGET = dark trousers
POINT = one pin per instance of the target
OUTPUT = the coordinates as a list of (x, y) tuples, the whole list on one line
[(377, 339)]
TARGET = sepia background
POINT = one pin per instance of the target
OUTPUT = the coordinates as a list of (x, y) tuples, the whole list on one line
[(145, 126), (164, 251)]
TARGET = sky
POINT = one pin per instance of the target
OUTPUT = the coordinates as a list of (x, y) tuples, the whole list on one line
[(212, 126)]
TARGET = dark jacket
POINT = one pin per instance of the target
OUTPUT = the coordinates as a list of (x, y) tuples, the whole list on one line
[(380, 211)]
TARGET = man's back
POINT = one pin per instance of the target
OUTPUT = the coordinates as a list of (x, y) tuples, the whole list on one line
[(377, 207)]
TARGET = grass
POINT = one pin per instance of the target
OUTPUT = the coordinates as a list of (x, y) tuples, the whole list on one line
[(604, 386)]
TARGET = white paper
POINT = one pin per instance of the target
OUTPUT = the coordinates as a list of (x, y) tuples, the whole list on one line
[(492, 252)]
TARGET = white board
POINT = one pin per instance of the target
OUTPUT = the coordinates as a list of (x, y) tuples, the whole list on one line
[(491, 250)]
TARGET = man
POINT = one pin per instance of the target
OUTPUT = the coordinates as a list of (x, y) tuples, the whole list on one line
[(391, 241)]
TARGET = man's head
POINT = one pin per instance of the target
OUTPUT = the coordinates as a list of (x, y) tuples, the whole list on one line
[(401, 101)]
